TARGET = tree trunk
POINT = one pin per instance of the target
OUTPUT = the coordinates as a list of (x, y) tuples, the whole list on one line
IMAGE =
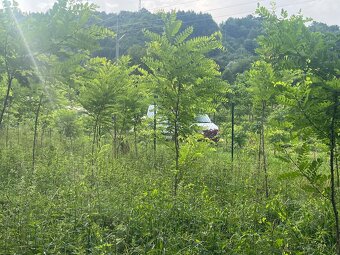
[(123, 145), (337, 166), (259, 152), (332, 139), (9, 86), (115, 155), (135, 137), (7, 135), (93, 149), (36, 131), (176, 181), (9, 83), (232, 132), (177, 148), (99, 134), (94, 139), (154, 133), (42, 136), (263, 149)]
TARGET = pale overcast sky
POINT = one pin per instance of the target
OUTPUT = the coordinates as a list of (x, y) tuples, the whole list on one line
[(326, 11)]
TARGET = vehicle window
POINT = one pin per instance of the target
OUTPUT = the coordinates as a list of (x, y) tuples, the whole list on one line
[(203, 118), (151, 112)]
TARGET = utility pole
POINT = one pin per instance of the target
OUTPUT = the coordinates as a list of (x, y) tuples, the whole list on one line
[(118, 39), (140, 5), (117, 46)]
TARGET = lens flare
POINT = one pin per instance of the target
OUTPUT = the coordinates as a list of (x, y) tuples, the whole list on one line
[(31, 57)]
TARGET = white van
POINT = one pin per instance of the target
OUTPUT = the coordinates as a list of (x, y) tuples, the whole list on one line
[(202, 121)]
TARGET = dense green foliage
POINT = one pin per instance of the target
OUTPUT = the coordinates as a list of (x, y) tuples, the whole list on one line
[(186, 81), (130, 209), (83, 172)]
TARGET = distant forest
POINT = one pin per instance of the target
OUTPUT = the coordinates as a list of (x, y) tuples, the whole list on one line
[(239, 36)]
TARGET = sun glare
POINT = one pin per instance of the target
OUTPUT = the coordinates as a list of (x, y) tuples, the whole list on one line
[(31, 56)]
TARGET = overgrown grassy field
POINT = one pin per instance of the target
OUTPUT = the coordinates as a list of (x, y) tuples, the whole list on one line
[(71, 204)]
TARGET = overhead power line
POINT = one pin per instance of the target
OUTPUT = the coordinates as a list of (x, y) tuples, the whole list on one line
[(208, 10), (101, 22), (204, 11), (218, 8), (206, 18), (172, 5)]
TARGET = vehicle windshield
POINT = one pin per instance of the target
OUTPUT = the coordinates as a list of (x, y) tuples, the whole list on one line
[(203, 118), (151, 111)]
